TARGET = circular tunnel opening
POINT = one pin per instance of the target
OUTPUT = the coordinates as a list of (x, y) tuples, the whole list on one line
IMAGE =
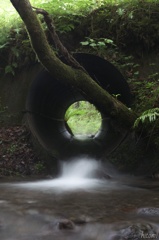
[(48, 101), (83, 119)]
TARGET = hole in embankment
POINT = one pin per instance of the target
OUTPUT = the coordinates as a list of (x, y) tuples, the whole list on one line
[(48, 102), (82, 118)]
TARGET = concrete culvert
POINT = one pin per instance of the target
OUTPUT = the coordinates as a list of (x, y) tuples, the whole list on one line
[(48, 101)]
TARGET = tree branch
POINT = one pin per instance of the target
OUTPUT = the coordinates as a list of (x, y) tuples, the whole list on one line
[(104, 102), (59, 46)]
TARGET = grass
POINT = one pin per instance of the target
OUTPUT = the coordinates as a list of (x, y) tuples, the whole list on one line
[(83, 118)]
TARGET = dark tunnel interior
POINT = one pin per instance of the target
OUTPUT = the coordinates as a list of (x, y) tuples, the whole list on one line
[(48, 101)]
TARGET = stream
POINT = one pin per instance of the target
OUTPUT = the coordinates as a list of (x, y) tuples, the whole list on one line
[(87, 201)]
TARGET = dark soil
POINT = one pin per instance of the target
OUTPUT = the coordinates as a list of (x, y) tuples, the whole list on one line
[(17, 155)]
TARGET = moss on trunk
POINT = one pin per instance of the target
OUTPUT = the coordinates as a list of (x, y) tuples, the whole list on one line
[(123, 117)]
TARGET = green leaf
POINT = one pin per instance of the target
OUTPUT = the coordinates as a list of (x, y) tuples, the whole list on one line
[(3, 46), (9, 69), (107, 40), (93, 45), (130, 15), (101, 44), (136, 73), (149, 115), (120, 11), (85, 43), (14, 64)]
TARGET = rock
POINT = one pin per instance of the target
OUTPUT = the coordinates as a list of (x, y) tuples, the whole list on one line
[(66, 224), (83, 219), (138, 232), (149, 211)]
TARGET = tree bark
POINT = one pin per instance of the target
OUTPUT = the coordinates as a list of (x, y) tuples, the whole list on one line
[(122, 116)]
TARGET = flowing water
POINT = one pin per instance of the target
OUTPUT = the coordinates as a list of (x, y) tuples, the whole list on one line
[(88, 201)]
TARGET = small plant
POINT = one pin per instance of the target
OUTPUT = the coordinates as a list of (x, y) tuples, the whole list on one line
[(99, 45), (2, 109), (39, 167), (150, 115), (116, 95), (11, 68), (12, 148)]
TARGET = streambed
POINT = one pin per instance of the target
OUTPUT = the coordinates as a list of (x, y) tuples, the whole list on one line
[(81, 207)]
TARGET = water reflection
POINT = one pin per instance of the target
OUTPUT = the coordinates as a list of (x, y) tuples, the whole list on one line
[(87, 203)]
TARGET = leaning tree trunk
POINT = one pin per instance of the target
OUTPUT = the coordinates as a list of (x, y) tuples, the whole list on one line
[(123, 117)]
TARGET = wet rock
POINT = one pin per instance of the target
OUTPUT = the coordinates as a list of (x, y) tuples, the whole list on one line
[(66, 224), (155, 176), (138, 232), (83, 219), (151, 211)]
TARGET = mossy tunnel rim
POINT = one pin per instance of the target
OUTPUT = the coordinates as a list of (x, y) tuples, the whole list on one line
[(48, 101)]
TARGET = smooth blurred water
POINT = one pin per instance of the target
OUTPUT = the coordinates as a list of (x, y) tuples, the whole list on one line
[(100, 207), (84, 173), (79, 168)]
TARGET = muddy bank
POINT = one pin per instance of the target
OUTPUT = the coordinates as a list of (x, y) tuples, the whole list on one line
[(17, 154)]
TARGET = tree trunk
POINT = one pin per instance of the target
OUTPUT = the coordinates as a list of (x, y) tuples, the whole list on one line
[(123, 117)]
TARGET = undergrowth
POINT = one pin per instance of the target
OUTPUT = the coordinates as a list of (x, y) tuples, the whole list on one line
[(83, 119), (128, 24), (119, 31)]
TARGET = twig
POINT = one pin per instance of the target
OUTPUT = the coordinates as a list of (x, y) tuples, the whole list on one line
[(51, 27)]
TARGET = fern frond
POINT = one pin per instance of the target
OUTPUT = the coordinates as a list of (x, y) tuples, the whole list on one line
[(149, 115)]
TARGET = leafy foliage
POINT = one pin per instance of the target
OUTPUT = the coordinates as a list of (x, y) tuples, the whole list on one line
[(83, 118), (128, 23), (100, 46), (145, 89), (150, 115), (109, 23), (73, 112)]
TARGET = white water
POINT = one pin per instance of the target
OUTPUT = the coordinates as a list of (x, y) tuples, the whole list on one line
[(82, 168), (83, 173)]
